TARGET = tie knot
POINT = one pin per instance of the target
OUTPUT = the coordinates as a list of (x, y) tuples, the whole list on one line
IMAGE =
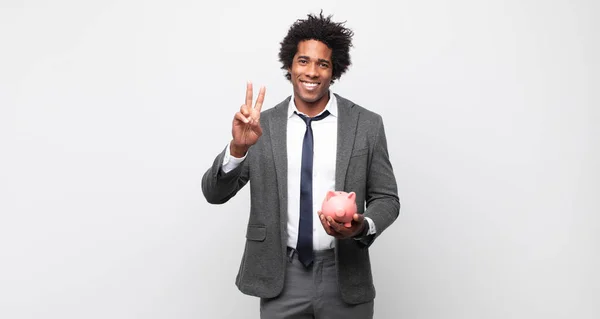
[(308, 120)]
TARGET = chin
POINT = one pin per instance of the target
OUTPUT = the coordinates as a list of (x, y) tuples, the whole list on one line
[(311, 98)]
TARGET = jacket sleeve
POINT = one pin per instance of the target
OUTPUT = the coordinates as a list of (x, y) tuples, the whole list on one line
[(382, 202), (217, 186)]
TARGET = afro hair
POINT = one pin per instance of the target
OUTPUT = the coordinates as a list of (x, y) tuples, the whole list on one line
[(333, 34)]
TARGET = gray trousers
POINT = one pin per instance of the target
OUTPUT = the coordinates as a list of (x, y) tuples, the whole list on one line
[(312, 293)]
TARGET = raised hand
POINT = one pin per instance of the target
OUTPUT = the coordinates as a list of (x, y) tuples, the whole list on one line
[(246, 128)]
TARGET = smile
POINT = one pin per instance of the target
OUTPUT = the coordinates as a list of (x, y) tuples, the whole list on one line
[(309, 85)]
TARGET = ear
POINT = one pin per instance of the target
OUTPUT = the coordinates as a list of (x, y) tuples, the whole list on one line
[(329, 195), (352, 196)]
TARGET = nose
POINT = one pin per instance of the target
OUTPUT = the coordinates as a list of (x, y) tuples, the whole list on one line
[(312, 70)]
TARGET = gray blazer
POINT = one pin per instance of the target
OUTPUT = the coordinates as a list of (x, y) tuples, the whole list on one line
[(362, 166)]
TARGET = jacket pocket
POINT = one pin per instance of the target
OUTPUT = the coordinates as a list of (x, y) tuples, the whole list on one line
[(256, 232)]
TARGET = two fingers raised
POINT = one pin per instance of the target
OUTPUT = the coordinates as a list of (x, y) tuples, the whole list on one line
[(259, 101)]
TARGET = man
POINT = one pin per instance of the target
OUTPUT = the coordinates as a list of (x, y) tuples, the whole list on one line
[(299, 263)]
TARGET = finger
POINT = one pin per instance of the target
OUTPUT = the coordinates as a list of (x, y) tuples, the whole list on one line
[(326, 226), (255, 127), (336, 227), (323, 218), (249, 94), (260, 99), (245, 110), (358, 217), (324, 223), (240, 117)]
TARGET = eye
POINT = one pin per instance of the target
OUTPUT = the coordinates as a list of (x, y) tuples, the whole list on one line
[(324, 65), (302, 61)]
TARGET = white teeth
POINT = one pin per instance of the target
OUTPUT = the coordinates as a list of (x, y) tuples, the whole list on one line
[(310, 86)]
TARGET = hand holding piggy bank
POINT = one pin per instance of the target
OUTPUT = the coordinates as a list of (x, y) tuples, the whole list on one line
[(341, 206)]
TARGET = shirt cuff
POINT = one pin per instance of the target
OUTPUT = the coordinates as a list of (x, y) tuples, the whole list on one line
[(230, 162), (370, 232), (372, 229)]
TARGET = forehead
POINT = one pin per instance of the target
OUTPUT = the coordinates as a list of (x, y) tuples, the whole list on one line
[(314, 49)]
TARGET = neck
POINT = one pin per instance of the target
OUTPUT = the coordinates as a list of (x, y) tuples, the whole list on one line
[(311, 109)]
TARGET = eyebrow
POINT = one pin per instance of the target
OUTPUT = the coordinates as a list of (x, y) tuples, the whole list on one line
[(319, 60)]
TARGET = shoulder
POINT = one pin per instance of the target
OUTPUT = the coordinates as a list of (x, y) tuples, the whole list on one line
[(278, 109), (365, 115)]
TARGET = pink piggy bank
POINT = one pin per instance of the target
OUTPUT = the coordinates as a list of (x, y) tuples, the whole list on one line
[(341, 206)]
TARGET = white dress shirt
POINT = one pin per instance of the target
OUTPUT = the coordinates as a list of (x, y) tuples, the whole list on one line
[(324, 158)]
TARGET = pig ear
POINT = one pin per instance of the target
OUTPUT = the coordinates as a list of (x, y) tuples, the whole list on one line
[(329, 195), (352, 195)]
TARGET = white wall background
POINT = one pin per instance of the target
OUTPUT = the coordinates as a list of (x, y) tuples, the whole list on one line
[(111, 111)]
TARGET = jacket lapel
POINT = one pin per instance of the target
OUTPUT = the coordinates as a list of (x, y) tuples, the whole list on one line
[(278, 133), (347, 122)]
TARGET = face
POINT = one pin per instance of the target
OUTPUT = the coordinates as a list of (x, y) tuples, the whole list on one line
[(311, 72)]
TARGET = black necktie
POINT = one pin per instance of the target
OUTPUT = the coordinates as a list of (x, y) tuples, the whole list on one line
[(305, 228)]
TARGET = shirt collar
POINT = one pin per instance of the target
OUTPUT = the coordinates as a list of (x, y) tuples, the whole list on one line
[(331, 106)]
